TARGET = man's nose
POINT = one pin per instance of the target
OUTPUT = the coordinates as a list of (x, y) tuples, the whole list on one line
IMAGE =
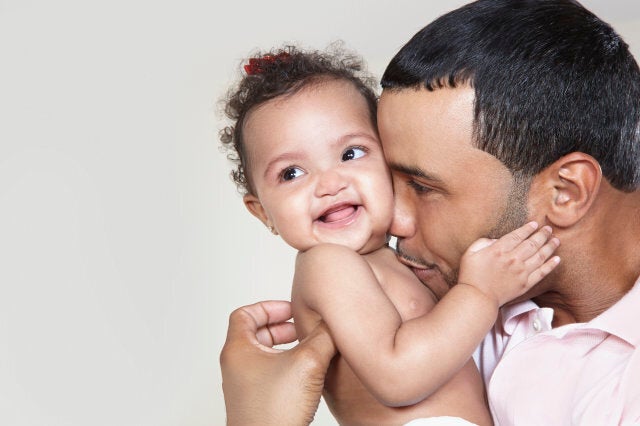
[(330, 182), (403, 223)]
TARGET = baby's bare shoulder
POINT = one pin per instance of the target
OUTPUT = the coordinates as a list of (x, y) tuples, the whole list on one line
[(387, 266), (327, 271), (328, 255)]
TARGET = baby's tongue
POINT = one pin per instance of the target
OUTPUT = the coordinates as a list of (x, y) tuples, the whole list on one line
[(339, 214)]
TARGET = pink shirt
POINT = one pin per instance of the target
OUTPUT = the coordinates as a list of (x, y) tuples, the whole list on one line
[(577, 374)]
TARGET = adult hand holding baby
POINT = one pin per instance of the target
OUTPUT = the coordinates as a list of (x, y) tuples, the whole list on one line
[(257, 378)]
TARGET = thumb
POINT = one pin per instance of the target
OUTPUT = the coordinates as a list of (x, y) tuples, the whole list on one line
[(318, 348), (480, 244), (311, 360)]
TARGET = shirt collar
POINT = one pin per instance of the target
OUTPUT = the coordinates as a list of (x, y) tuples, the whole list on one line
[(511, 312), (621, 319)]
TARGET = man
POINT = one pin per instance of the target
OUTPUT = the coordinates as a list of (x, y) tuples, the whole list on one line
[(497, 113)]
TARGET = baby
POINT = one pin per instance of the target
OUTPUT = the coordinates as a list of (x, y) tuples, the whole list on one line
[(312, 169)]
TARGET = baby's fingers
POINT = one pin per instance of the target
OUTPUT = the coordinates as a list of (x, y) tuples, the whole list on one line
[(540, 249), (480, 244), (542, 271), (537, 245), (516, 237), (540, 263)]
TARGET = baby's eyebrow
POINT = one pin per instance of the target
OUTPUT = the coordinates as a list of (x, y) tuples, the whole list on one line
[(345, 138), (284, 157)]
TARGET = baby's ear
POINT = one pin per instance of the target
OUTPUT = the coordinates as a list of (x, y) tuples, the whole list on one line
[(565, 191), (253, 204)]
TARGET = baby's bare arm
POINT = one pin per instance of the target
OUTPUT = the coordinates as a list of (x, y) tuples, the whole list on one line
[(492, 273), (340, 286), (399, 363), (403, 363)]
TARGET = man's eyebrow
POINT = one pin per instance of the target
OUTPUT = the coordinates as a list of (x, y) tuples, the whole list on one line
[(415, 171)]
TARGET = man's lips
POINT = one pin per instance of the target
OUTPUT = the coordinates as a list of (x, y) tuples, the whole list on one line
[(410, 261), (424, 274), (422, 270), (428, 275)]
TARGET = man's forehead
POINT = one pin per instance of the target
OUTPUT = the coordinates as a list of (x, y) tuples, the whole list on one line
[(430, 135), (433, 122)]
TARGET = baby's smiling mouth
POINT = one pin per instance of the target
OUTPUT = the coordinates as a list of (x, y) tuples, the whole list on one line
[(338, 213)]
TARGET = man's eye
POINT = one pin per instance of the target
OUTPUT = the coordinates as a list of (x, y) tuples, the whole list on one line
[(291, 173), (353, 153), (418, 188)]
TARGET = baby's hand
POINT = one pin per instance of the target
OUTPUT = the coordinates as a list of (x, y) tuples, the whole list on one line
[(506, 268)]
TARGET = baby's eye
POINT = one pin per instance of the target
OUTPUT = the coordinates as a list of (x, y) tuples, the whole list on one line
[(353, 153), (291, 173)]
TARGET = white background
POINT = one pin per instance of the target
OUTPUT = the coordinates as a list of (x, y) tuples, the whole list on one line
[(123, 243)]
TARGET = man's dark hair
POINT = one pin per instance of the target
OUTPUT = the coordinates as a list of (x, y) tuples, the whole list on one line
[(549, 76)]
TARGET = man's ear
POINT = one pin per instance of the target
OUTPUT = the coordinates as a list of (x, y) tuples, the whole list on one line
[(566, 190)]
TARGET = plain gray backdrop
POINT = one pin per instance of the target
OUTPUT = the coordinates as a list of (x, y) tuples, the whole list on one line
[(124, 245)]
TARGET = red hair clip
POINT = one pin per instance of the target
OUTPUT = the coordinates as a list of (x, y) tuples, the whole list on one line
[(257, 65)]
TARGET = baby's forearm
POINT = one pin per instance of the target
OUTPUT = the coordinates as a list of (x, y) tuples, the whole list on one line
[(458, 322)]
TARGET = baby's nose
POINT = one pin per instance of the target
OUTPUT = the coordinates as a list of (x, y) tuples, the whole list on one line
[(330, 183)]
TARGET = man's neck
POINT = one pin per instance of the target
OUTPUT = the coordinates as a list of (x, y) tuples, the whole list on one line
[(573, 308), (601, 261)]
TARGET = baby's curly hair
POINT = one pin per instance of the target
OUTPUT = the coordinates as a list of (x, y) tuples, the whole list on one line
[(285, 71)]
